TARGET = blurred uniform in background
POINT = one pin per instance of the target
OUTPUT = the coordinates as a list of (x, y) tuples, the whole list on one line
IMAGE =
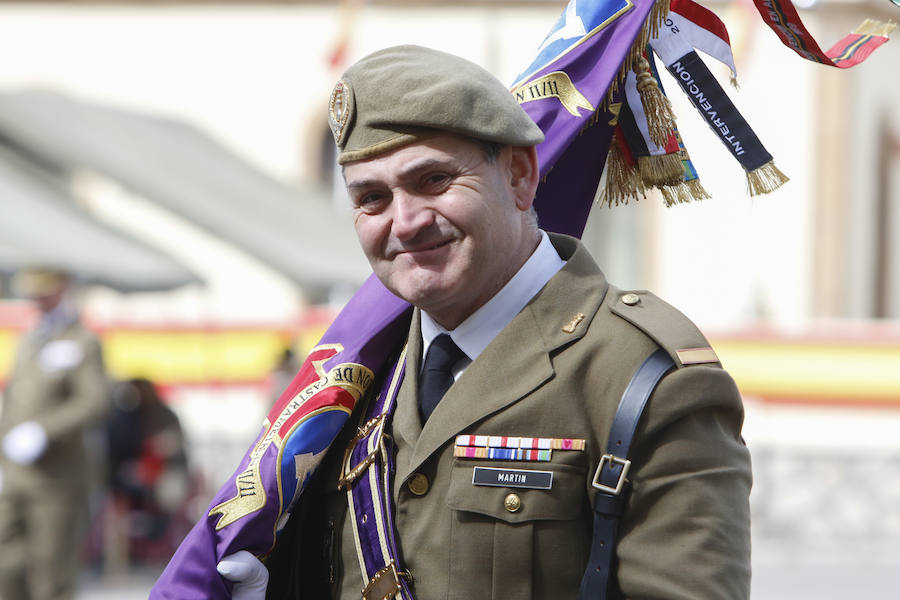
[(56, 390)]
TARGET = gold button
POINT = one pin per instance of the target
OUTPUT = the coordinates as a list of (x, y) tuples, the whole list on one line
[(418, 484), (512, 503), (631, 299)]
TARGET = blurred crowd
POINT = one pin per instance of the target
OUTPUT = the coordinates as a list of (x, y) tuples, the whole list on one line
[(93, 473)]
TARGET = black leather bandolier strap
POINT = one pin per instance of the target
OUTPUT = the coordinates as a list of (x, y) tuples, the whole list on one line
[(610, 477)]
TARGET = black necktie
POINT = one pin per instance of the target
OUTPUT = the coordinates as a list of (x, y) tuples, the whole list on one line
[(436, 375)]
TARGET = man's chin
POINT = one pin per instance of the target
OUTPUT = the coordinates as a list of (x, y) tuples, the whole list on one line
[(421, 291)]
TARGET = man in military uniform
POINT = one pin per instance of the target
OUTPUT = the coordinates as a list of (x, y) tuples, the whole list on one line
[(441, 167), (57, 388)]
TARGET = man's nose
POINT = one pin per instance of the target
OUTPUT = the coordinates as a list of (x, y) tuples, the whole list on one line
[(411, 215)]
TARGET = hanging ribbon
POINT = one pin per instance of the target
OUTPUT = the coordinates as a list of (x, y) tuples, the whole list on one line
[(852, 49), (674, 46), (703, 30)]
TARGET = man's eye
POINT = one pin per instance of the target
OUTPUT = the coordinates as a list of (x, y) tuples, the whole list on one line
[(436, 181), (370, 201)]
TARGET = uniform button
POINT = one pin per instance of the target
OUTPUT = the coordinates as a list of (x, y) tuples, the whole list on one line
[(631, 299), (418, 484), (512, 503)]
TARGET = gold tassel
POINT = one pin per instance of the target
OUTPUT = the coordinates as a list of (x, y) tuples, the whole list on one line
[(872, 27), (622, 181), (660, 118), (734, 82), (611, 91), (765, 179), (696, 190), (679, 193), (669, 197), (665, 169)]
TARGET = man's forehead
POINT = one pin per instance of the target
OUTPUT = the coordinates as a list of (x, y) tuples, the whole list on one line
[(441, 150)]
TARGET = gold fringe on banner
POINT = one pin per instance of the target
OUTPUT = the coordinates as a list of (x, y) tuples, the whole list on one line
[(671, 196), (872, 27), (657, 18), (682, 193), (765, 179), (665, 169), (622, 180), (696, 190), (675, 194)]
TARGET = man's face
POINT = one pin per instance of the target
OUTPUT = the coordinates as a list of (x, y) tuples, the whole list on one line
[(47, 302), (443, 227)]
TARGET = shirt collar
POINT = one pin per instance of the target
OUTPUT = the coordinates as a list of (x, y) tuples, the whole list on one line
[(475, 333)]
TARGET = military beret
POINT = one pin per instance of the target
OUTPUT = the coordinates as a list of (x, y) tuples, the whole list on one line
[(404, 94)]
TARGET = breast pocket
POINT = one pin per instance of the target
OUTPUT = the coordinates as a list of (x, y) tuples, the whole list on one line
[(516, 527)]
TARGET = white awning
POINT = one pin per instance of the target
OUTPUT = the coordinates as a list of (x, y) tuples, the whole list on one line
[(178, 167)]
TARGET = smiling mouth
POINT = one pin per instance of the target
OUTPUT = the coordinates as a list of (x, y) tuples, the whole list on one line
[(440, 244), (428, 248)]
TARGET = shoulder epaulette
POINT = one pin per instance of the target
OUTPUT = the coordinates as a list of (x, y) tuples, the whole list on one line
[(665, 324)]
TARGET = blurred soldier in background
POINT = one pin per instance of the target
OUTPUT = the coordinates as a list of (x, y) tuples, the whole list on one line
[(56, 390), (148, 475)]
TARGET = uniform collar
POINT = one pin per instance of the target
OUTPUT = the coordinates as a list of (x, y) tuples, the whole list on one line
[(475, 333)]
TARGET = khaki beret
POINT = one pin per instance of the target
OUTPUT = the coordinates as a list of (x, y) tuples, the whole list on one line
[(404, 94), (37, 282)]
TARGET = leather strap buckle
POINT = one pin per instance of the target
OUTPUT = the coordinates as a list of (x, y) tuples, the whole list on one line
[(384, 585), (609, 459), (349, 473)]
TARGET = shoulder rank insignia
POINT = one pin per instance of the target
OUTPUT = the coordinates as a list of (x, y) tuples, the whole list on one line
[(697, 356)]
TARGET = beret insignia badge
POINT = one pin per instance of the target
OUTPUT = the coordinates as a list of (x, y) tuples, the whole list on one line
[(340, 110)]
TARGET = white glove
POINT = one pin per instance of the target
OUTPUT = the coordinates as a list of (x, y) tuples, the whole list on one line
[(25, 443), (249, 575)]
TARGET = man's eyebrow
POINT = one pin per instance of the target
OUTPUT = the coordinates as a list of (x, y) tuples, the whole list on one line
[(362, 184), (424, 165)]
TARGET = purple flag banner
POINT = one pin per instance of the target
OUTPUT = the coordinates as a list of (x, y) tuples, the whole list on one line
[(563, 90)]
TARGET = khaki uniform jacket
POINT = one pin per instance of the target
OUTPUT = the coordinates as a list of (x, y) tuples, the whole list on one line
[(558, 370), (60, 383)]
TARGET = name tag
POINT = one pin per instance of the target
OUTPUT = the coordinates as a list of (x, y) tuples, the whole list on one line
[(517, 478)]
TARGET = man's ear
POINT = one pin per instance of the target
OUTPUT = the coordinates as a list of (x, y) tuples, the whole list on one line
[(524, 175)]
